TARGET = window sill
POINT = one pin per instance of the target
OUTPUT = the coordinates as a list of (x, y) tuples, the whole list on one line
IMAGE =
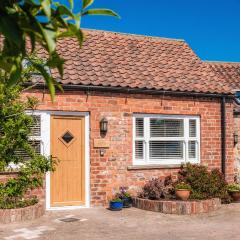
[(153, 166)]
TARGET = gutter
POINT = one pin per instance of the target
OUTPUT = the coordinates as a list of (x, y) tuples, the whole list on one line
[(72, 87)]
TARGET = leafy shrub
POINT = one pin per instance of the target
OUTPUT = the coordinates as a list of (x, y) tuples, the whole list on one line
[(205, 184), (158, 188), (19, 203), (15, 128), (233, 187), (183, 185), (30, 176)]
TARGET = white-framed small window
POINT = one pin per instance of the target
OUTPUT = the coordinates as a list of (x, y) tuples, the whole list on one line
[(35, 137), (165, 139)]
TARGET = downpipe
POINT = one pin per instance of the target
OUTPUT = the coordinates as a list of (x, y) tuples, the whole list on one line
[(223, 135)]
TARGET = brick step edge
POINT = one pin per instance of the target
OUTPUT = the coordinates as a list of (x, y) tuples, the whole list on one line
[(178, 207), (22, 214)]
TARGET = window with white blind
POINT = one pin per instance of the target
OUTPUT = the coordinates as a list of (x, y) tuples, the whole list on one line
[(161, 139), (34, 138)]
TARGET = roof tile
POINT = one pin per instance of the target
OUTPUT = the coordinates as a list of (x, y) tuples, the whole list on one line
[(230, 72), (124, 60)]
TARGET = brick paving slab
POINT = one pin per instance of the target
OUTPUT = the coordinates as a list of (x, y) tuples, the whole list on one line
[(99, 223)]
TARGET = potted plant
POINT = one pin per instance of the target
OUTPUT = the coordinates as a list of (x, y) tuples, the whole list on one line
[(234, 191), (116, 204), (182, 191), (126, 197)]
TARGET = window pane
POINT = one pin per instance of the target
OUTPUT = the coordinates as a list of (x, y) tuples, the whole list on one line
[(139, 127), (36, 126), (192, 152), (139, 149), (166, 127), (67, 137), (192, 128), (166, 149)]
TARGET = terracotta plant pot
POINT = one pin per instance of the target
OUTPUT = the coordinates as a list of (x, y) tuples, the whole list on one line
[(235, 196), (182, 194)]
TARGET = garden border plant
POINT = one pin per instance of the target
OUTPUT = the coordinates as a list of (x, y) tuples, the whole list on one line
[(204, 184), (234, 191), (208, 190), (116, 204), (158, 188), (182, 191), (125, 196)]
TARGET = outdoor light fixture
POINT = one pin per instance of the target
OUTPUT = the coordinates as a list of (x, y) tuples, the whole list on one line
[(235, 136), (103, 125)]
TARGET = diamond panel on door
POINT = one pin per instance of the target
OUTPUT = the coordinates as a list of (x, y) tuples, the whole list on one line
[(67, 138)]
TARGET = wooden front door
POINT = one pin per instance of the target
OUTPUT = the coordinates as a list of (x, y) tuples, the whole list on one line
[(67, 147)]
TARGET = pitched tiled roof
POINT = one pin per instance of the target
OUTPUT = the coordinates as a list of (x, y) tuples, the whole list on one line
[(124, 60), (230, 72)]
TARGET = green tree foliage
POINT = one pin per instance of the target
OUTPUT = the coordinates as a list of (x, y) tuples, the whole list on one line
[(43, 22), (14, 125)]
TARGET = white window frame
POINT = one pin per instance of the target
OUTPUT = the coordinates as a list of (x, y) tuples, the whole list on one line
[(33, 138), (42, 130), (186, 138)]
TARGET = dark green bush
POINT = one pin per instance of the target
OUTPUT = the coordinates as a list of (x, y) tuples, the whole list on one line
[(205, 184)]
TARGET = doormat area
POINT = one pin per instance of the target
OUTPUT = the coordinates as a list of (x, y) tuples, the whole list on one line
[(69, 219)]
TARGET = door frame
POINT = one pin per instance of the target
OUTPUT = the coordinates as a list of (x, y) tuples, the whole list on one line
[(45, 150)]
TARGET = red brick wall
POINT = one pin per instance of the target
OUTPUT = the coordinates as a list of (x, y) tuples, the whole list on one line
[(237, 146), (5, 176), (229, 143), (39, 192), (110, 171)]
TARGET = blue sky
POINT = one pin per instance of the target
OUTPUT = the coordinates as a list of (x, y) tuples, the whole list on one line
[(210, 27)]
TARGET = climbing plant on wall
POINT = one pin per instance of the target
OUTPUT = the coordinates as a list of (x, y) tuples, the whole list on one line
[(15, 129)]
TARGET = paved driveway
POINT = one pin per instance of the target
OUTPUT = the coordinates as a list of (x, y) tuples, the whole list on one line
[(100, 224)]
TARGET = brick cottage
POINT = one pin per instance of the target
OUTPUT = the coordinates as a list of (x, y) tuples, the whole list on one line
[(133, 108)]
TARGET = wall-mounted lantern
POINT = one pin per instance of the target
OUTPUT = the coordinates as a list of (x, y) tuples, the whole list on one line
[(103, 126), (235, 136)]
